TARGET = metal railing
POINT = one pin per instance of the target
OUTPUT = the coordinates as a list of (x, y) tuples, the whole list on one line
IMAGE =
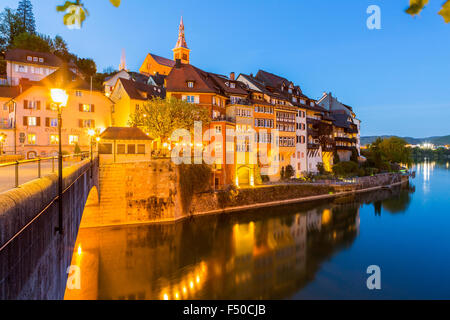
[(39, 161)]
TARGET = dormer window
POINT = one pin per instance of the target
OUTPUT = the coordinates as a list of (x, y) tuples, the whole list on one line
[(29, 58), (41, 60), (35, 59), (190, 84), (311, 104), (232, 85)]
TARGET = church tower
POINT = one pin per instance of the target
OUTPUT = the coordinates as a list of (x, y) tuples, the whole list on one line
[(181, 50), (123, 61)]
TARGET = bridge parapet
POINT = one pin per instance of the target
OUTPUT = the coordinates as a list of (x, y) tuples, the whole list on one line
[(33, 257)]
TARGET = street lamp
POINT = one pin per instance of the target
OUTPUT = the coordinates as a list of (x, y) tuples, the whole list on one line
[(60, 97), (2, 139)]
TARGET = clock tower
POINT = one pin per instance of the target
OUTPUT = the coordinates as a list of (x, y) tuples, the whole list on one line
[(181, 50)]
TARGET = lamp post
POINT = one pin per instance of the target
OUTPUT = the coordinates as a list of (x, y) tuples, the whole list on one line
[(60, 97), (2, 139)]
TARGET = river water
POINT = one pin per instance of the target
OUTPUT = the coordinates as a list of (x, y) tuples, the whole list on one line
[(308, 251)]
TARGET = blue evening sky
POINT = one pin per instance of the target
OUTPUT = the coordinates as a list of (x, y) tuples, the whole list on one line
[(396, 79)]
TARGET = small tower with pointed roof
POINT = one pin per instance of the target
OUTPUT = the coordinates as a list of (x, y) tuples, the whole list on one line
[(123, 61), (181, 50)]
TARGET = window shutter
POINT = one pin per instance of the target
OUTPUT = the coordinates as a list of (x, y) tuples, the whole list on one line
[(25, 104), (80, 123), (92, 123), (47, 122), (92, 108), (81, 107), (47, 106), (25, 121), (38, 105), (38, 121)]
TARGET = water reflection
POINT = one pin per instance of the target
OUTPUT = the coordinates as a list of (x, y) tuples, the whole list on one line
[(268, 254)]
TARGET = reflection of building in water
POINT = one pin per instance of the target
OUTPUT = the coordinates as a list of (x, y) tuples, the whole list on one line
[(213, 258)]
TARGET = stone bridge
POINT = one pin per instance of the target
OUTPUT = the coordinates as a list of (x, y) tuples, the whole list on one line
[(34, 257)]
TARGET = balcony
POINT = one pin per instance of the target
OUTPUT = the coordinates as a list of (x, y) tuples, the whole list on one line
[(313, 146), (223, 119), (345, 139), (242, 102)]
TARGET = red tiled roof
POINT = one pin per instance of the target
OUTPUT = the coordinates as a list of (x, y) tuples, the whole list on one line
[(9, 92), (141, 91), (164, 61), (20, 55), (179, 76), (123, 133)]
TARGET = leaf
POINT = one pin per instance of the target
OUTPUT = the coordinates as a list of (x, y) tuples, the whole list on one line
[(445, 11), (115, 3), (415, 6)]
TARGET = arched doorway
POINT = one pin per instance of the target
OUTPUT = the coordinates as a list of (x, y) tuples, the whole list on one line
[(244, 176), (31, 155)]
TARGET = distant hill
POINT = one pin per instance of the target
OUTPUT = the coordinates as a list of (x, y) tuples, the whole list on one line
[(444, 140)]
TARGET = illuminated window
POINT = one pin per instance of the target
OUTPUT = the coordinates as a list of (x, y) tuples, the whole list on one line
[(54, 139), (78, 93), (53, 123), (31, 139), (190, 84), (73, 139), (87, 108), (218, 129), (32, 121)]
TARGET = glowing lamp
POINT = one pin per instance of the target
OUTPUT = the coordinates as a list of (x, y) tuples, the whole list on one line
[(59, 96)]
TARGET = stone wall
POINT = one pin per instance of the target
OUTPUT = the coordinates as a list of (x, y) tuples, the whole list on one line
[(136, 193), (33, 265), (383, 179)]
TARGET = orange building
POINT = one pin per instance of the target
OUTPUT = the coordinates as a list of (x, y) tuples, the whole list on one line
[(154, 64), (33, 117)]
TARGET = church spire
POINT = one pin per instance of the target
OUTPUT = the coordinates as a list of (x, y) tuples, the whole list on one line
[(123, 61), (181, 43), (181, 50)]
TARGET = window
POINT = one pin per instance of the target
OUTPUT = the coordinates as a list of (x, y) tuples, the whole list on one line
[(232, 85), (41, 60), (53, 123), (131, 149), (219, 129), (32, 121), (120, 149), (54, 139), (35, 59), (87, 108), (105, 148), (29, 58), (73, 139), (78, 93), (87, 124), (141, 149), (31, 139), (190, 99), (190, 84)]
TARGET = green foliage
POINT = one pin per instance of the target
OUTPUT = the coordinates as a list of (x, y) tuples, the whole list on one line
[(161, 117), (33, 42), (87, 66), (355, 156), (26, 16), (336, 158), (77, 149), (420, 154), (394, 150), (289, 173), (416, 6), (194, 178), (76, 12), (321, 168), (10, 28), (345, 169)]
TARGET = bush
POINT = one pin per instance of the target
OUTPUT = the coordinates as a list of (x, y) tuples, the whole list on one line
[(265, 178), (321, 168), (289, 172), (371, 171), (77, 149), (345, 169)]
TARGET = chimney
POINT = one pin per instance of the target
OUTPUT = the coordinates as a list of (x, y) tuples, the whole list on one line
[(178, 63), (232, 76)]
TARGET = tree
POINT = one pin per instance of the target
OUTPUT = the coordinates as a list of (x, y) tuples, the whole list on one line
[(76, 12), (87, 66), (394, 150), (416, 6), (33, 42), (336, 158), (354, 157), (60, 48), (26, 16), (161, 117), (289, 172), (9, 28)]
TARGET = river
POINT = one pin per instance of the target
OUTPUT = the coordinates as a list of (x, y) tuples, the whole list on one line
[(308, 251)]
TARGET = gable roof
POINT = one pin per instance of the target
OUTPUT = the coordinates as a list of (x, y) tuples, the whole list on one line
[(20, 55), (9, 92), (124, 133), (224, 84), (141, 91), (64, 78), (179, 76), (164, 61)]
